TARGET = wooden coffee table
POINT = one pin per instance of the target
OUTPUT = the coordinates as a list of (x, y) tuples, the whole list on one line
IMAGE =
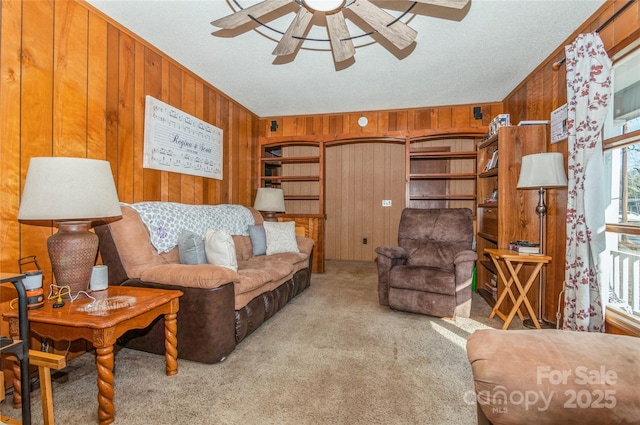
[(101, 322)]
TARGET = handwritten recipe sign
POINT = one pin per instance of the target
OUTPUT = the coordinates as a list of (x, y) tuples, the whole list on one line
[(178, 142)]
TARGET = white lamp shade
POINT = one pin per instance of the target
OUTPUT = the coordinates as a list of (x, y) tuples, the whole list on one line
[(60, 188), (542, 170), (269, 200)]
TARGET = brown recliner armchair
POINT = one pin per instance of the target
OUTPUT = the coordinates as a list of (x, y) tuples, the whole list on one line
[(431, 270)]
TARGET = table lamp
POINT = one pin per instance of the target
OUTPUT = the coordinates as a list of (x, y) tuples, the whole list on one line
[(542, 171), (269, 201), (72, 192)]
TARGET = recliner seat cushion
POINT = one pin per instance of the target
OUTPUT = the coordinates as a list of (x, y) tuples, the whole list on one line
[(424, 279)]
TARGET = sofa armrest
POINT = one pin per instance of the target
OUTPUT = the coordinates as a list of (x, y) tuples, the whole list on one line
[(392, 252), (305, 245), (388, 258), (190, 276), (464, 262), (464, 256)]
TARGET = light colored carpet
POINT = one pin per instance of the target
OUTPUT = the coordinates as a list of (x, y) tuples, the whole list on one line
[(333, 355)]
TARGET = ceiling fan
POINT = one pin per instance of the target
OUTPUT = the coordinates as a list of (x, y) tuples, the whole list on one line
[(391, 28)]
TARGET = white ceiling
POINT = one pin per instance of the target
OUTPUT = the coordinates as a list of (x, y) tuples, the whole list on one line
[(474, 56)]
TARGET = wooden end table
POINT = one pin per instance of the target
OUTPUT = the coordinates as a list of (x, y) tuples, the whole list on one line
[(115, 311), (510, 258)]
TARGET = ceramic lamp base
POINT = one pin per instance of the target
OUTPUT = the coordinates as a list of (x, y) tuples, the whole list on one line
[(72, 252), (269, 216)]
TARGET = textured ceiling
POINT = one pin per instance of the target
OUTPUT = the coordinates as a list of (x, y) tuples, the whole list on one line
[(475, 55)]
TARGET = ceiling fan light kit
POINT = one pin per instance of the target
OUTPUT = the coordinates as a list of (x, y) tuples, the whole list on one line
[(375, 19), (324, 5)]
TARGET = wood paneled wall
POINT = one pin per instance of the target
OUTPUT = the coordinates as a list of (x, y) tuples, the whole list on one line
[(387, 123), (359, 175), (537, 96), (73, 83)]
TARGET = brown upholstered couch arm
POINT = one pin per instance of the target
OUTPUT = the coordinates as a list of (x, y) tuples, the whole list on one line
[(305, 245)]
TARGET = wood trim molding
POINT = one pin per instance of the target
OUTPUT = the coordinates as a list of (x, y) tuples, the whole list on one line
[(398, 136), (622, 322)]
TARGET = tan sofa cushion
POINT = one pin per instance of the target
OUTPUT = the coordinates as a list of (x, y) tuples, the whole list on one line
[(190, 276), (258, 276)]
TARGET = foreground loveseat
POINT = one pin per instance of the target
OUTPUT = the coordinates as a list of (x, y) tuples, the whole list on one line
[(549, 377), (220, 306)]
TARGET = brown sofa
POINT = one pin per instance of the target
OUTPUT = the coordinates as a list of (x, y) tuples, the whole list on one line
[(548, 377), (220, 307)]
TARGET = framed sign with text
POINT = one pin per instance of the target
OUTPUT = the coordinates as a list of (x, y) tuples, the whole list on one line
[(181, 143)]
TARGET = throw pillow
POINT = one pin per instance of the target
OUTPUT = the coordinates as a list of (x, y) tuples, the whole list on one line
[(220, 249), (281, 237), (191, 248), (258, 240)]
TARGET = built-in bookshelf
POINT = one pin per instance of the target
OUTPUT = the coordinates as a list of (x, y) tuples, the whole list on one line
[(504, 213)]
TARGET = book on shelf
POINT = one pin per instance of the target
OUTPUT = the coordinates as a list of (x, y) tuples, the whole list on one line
[(492, 162), (534, 122), (524, 247), (491, 289)]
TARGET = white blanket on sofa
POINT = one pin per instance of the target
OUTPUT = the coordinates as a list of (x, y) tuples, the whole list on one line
[(166, 220)]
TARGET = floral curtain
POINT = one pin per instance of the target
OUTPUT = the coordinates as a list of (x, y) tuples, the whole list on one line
[(588, 95)]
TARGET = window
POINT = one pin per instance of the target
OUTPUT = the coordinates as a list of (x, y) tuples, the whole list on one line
[(622, 160)]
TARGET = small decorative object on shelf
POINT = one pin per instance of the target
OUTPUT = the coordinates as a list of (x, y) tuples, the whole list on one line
[(493, 198), (501, 120), (524, 247)]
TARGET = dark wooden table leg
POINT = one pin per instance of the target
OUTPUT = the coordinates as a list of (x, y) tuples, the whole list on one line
[(171, 343), (104, 364), (17, 384)]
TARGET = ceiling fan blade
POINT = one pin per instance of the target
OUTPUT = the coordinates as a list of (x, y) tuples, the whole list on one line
[(289, 43), (454, 4), (243, 16), (399, 34), (341, 44)]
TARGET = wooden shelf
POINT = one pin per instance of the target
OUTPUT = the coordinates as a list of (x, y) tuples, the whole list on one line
[(292, 160), (302, 197), (441, 173), (440, 176), (489, 141), (425, 153), (491, 173), (430, 197), (492, 238), (488, 264), (487, 296), (292, 178)]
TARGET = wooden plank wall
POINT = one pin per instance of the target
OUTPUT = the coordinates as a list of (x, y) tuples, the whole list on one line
[(537, 96), (352, 207), (73, 83), (358, 177), (386, 123)]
